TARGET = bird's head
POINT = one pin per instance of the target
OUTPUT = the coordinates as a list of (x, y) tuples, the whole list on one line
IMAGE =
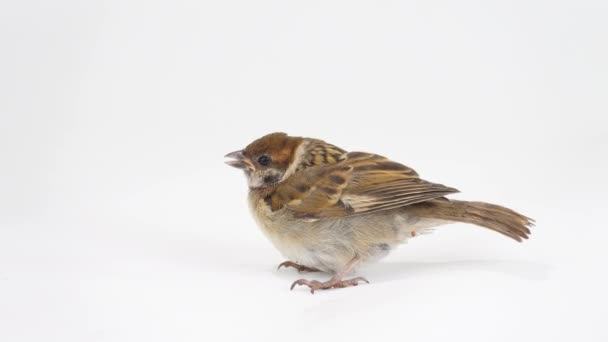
[(275, 157)]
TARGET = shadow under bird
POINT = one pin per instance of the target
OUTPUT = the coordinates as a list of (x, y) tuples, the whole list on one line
[(326, 209)]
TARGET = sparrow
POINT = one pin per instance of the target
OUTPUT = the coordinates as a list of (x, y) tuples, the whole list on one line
[(326, 209)]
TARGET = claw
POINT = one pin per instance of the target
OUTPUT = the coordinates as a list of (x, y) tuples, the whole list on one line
[(313, 284), (300, 268)]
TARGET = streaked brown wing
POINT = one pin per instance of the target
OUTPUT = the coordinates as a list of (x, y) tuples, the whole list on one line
[(362, 183)]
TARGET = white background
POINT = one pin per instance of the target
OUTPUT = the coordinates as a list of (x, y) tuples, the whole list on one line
[(120, 222)]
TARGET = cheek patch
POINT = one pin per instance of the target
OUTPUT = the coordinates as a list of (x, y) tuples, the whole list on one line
[(259, 179), (271, 179), (272, 176)]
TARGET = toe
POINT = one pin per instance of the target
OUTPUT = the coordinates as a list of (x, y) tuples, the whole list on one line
[(297, 282), (312, 284), (358, 279)]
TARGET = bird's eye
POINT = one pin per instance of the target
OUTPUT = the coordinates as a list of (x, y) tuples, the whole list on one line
[(264, 160)]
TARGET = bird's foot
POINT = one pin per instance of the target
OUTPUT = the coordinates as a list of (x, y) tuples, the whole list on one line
[(334, 282), (300, 268)]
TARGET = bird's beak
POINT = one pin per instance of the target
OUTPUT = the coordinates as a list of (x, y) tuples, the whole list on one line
[(240, 161)]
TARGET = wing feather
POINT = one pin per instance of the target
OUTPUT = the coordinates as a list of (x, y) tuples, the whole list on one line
[(361, 183)]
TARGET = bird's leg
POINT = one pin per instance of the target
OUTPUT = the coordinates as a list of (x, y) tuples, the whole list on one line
[(335, 281), (300, 268)]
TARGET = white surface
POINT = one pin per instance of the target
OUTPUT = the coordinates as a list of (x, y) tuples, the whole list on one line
[(119, 221)]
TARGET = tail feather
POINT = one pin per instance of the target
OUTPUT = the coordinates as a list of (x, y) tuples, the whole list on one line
[(497, 218)]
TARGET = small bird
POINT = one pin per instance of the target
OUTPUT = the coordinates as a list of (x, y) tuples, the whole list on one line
[(326, 209)]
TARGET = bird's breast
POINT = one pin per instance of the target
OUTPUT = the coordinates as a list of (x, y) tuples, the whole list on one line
[(309, 243)]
